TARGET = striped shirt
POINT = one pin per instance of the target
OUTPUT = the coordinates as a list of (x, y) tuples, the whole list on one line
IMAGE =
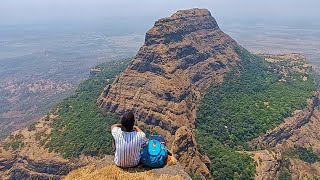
[(128, 146)]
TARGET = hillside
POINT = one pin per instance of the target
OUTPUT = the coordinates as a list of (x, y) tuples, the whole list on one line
[(42, 151), (28, 153), (226, 113), (190, 73), (41, 65), (248, 105)]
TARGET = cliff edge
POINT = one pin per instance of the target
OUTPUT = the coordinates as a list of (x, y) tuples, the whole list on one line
[(181, 57)]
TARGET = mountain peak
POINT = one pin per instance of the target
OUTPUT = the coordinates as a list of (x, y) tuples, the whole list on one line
[(181, 57), (181, 23), (191, 13)]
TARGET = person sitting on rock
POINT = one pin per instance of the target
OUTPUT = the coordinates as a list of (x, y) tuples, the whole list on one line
[(128, 140)]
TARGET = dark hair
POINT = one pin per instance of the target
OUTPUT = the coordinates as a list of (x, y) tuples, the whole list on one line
[(127, 120)]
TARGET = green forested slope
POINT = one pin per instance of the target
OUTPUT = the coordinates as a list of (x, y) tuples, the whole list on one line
[(228, 117), (235, 112), (81, 127)]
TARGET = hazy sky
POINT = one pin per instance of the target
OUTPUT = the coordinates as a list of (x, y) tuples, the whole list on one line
[(39, 11)]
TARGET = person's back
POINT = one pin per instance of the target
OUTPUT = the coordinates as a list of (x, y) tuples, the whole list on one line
[(128, 141)]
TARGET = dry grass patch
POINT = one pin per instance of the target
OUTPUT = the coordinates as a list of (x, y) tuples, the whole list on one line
[(116, 173)]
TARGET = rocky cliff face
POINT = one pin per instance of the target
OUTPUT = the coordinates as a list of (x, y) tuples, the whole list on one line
[(274, 150), (185, 148), (301, 129), (289, 128), (31, 160), (23, 157), (24, 168), (181, 57)]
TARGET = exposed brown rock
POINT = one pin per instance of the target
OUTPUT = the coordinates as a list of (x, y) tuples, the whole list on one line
[(185, 149), (302, 129), (171, 170), (30, 160), (289, 127), (181, 57), (267, 164), (303, 170)]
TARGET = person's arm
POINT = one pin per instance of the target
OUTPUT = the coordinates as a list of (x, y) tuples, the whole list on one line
[(136, 128), (116, 125)]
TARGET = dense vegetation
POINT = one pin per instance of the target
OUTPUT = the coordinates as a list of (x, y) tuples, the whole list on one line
[(250, 101), (285, 172), (81, 127), (305, 154), (226, 163)]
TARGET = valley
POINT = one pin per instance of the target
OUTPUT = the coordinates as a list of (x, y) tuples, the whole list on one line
[(297, 36), (40, 67), (56, 60), (226, 113)]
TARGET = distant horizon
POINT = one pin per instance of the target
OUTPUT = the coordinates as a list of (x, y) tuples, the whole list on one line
[(15, 12), (293, 24), (141, 24)]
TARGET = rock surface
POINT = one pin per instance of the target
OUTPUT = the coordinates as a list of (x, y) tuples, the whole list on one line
[(185, 148), (23, 157), (302, 129), (290, 128), (267, 164), (181, 57), (170, 170)]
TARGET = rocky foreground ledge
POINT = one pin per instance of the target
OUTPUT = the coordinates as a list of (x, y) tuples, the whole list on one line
[(182, 56), (32, 161)]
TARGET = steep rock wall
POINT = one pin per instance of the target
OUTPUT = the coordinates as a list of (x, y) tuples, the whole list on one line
[(181, 57)]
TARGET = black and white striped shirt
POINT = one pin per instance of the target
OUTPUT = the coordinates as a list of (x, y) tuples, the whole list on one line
[(128, 145)]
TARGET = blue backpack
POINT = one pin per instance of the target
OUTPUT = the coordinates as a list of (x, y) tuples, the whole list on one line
[(154, 153)]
